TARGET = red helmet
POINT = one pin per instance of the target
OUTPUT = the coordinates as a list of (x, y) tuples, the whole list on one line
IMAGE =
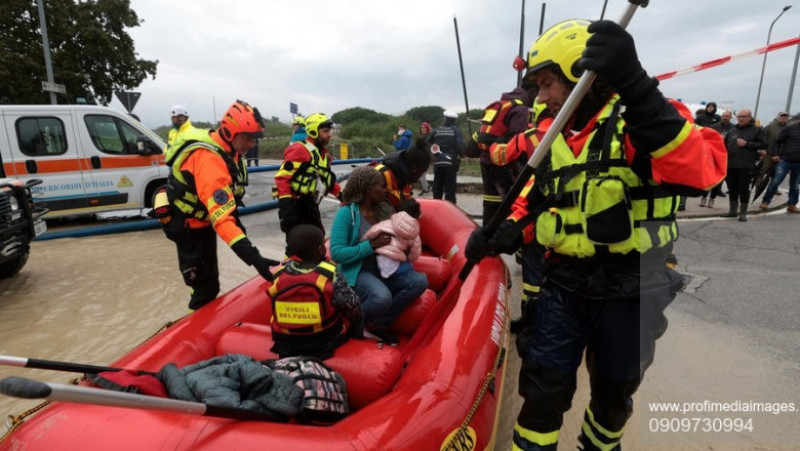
[(241, 118)]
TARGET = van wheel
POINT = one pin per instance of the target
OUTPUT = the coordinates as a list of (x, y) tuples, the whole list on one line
[(150, 192), (13, 266)]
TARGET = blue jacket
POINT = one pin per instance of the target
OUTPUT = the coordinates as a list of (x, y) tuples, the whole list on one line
[(346, 249), (403, 141), (299, 135)]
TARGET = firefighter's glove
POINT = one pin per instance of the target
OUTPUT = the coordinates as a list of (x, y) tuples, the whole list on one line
[(611, 54), (477, 245), (507, 238), (248, 253), (262, 266)]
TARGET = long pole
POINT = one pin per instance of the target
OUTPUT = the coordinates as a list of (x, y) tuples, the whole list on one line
[(463, 80), (48, 65), (603, 12), (791, 82), (521, 39), (764, 63), (560, 121), (541, 19)]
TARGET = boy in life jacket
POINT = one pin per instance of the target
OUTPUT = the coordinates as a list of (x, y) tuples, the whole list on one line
[(314, 310), (405, 247)]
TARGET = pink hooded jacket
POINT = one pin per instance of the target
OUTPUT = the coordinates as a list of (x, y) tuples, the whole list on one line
[(405, 244)]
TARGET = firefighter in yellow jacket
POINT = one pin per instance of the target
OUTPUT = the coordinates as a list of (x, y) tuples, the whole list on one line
[(603, 204), (305, 176), (204, 188)]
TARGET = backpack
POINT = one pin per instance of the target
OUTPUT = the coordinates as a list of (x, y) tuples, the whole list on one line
[(324, 391)]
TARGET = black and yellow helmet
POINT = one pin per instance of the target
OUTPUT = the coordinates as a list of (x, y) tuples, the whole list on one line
[(561, 45)]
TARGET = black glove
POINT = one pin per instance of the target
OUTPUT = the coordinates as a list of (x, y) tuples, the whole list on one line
[(507, 238), (477, 245), (245, 250), (262, 266), (611, 54)]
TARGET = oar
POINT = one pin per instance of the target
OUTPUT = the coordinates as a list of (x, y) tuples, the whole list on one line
[(24, 362), (31, 389), (560, 121)]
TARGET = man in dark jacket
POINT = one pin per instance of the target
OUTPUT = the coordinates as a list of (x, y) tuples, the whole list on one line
[(745, 143), (447, 145), (788, 160), (709, 116)]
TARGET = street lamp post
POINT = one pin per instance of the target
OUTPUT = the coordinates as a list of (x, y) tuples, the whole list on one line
[(791, 82), (764, 64)]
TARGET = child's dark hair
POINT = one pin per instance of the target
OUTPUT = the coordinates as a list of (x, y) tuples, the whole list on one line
[(419, 155), (304, 240), (411, 207)]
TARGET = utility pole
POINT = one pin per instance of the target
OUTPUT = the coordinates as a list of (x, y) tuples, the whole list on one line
[(46, 44)]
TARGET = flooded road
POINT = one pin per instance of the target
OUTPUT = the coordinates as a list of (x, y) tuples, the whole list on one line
[(90, 300)]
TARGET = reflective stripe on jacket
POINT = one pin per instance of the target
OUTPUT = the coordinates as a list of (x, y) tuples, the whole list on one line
[(302, 301)]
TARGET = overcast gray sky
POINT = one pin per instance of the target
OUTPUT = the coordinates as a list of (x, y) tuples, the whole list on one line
[(391, 56)]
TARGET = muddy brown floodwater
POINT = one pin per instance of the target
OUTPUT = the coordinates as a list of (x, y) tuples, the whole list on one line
[(89, 300)]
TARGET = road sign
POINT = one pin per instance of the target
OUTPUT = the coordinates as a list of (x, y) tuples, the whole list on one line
[(128, 99), (293, 108), (54, 87)]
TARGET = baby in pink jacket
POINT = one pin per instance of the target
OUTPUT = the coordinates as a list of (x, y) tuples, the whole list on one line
[(405, 246)]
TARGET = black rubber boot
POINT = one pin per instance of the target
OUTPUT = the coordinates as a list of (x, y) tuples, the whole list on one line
[(733, 211), (743, 215)]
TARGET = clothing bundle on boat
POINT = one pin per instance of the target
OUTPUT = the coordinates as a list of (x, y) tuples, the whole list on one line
[(294, 387)]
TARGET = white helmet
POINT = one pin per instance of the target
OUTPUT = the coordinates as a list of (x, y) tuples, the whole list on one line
[(451, 114), (178, 110)]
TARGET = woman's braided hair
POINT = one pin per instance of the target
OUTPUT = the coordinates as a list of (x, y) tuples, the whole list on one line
[(360, 181)]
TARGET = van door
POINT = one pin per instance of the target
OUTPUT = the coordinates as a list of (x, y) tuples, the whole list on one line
[(123, 161), (43, 145)]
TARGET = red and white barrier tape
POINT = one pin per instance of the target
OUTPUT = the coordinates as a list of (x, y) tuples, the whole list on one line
[(728, 59)]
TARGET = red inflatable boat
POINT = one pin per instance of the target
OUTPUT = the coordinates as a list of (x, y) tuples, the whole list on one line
[(440, 388)]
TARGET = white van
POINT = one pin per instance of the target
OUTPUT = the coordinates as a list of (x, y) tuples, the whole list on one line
[(90, 158)]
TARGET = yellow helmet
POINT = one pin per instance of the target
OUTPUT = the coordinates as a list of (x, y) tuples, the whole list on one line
[(316, 121), (299, 120), (561, 45)]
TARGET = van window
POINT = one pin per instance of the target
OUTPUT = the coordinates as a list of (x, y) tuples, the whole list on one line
[(41, 136), (112, 135)]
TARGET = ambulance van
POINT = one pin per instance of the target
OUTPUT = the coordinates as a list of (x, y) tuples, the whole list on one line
[(90, 159)]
